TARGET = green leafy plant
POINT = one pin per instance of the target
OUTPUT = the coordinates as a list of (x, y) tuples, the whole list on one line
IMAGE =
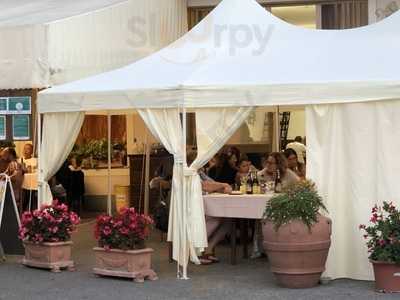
[(299, 201), (383, 235)]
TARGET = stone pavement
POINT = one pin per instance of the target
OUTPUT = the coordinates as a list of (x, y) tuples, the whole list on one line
[(250, 279)]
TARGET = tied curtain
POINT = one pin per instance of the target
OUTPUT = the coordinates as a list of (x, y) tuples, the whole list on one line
[(165, 125), (60, 131), (352, 155), (214, 127)]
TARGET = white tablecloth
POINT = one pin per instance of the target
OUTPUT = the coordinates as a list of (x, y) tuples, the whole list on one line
[(236, 206)]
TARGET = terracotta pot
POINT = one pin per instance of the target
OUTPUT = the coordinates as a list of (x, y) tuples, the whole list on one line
[(298, 255), (387, 276), (134, 264), (53, 256)]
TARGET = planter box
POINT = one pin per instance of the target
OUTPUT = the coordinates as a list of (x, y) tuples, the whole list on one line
[(387, 277), (53, 256), (134, 264)]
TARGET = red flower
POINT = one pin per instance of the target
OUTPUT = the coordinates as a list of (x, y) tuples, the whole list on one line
[(124, 230), (361, 226)]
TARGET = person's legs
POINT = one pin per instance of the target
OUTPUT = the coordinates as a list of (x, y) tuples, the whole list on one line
[(212, 224), (218, 235)]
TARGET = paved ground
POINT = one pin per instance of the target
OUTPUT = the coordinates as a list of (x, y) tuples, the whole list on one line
[(248, 280)]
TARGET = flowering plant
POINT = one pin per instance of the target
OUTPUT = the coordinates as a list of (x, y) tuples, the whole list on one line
[(50, 223), (126, 231), (383, 236), (299, 201)]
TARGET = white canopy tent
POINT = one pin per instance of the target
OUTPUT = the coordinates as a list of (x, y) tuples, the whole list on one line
[(239, 57), (48, 42)]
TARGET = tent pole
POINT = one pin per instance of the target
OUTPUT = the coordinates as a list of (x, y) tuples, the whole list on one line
[(39, 147), (109, 163), (147, 175), (184, 199), (277, 131)]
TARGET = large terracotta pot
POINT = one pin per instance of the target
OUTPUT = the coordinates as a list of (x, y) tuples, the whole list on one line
[(298, 255), (134, 264), (53, 256), (387, 277)]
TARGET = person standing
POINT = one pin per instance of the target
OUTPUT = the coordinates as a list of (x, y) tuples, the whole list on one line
[(76, 189), (300, 149), (29, 186), (14, 170)]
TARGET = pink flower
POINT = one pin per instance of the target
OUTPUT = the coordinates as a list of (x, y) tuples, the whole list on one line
[(107, 230), (54, 229), (74, 218), (124, 231), (382, 242), (361, 226), (365, 236), (63, 207), (375, 209), (374, 218)]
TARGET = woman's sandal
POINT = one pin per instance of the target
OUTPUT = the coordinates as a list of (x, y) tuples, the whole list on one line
[(205, 261), (211, 257)]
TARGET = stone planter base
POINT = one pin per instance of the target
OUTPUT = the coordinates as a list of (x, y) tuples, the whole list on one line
[(53, 256), (135, 264)]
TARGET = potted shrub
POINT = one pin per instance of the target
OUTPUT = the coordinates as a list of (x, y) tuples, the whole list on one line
[(46, 235), (383, 242), (121, 249), (297, 236)]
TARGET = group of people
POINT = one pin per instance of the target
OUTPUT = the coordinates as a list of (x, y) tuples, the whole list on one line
[(227, 169), (70, 191), (16, 169)]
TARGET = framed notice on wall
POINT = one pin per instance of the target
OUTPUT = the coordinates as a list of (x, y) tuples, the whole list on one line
[(19, 105), (3, 132), (3, 105), (21, 127)]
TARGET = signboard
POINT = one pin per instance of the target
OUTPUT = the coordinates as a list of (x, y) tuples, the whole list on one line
[(2, 127), (9, 220), (3, 105), (19, 105), (20, 126)]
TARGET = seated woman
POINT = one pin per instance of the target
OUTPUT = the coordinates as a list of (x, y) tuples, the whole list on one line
[(224, 171), (275, 164), (294, 164)]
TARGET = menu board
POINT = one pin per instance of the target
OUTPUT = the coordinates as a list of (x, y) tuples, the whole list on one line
[(19, 105), (2, 127), (21, 127)]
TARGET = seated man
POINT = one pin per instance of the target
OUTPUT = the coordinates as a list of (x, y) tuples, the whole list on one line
[(217, 228)]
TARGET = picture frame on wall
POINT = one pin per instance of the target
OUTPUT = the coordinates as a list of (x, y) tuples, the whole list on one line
[(21, 127)]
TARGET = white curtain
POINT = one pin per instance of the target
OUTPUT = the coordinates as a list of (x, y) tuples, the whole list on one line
[(165, 125), (214, 127), (352, 155), (59, 134)]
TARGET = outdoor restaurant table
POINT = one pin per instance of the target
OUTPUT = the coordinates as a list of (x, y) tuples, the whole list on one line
[(236, 207)]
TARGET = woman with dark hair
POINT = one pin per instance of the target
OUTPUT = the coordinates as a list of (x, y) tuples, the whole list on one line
[(223, 170), (294, 164), (274, 165), (14, 170)]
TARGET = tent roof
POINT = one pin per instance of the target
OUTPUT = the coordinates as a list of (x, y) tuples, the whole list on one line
[(28, 12), (241, 55)]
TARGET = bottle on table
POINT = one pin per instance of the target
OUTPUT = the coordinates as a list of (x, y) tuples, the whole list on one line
[(256, 185), (278, 182), (249, 185)]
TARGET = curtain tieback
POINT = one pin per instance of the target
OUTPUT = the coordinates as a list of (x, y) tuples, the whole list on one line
[(189, 172)]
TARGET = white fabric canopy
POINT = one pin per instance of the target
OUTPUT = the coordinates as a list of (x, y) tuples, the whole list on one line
[(242, 56), (352, 155), (47, 42)]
